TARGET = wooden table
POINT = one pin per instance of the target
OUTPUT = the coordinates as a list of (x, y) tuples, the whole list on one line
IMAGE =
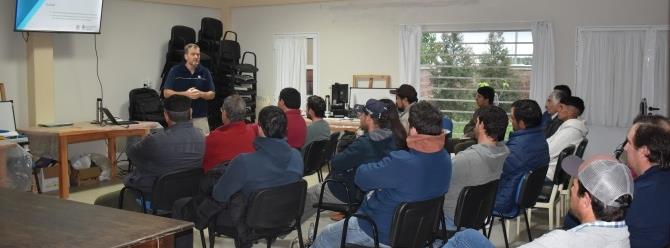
[(340, 124), (30, 220), (83, 132)]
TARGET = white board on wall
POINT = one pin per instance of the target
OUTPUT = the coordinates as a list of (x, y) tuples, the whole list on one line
[(361, 95)]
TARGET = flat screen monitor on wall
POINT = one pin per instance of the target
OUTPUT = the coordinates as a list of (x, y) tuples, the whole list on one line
[(69, 16)]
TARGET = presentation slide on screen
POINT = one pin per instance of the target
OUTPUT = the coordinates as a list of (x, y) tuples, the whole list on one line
[(59, 15)]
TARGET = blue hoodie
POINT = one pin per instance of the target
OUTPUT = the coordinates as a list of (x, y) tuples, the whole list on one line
[(273, 163)]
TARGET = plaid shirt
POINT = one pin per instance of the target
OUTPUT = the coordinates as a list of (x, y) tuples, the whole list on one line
[(614, 224)]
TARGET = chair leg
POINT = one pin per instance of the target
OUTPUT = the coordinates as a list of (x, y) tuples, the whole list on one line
[(212, 236), (502, 223), (518, 220), (269, 242), (202, 239), (37, 180), (298, 228), (493, 219), (551, 218), (530, 237)]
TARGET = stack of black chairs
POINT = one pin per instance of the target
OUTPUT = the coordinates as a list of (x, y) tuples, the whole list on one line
[(221, 54)]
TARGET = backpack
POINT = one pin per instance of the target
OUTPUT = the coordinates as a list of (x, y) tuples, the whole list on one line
[(145, 105)]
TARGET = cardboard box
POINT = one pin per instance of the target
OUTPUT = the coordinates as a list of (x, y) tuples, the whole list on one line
[(84, 177), (49, 178)]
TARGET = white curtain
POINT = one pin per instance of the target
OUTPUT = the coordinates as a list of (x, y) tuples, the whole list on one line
[(543, 75), (410, 55), (616, 68), (290, 55)]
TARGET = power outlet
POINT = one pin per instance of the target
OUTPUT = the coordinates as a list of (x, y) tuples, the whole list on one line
[(146, 83)]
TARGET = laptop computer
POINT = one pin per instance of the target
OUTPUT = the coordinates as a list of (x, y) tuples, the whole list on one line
[(114, 121)]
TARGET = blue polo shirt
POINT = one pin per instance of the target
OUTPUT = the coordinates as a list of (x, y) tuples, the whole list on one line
[(180, 79), (648, 217)]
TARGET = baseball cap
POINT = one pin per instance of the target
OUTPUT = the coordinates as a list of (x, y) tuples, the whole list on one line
[(604, 177), (372, 107), (406, 91), (575, 102)]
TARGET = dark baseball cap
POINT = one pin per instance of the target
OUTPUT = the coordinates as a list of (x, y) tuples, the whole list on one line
[(372, 107), (406, 91), (575, 102)]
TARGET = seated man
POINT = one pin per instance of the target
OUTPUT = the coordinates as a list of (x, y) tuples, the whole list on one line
[(179, 146), (550, 120), (419, 174), (405, 96), (484, 98), (571, 132), (648, 154), (233, 138), (480, 163), (273, 163), (375, 144), (528, 151), (289, 102), (319, 129), (601, 192)]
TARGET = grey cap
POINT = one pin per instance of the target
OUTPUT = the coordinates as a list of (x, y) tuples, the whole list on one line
[(604, 177)]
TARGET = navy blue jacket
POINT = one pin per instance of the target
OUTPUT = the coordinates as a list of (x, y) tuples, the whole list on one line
[(403, 176), (274, 163), (648, 217), (180, 79), (546, 119), (362, 150), (528, 150)]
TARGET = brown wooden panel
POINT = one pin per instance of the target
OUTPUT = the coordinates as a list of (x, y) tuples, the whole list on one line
[(30, 220)]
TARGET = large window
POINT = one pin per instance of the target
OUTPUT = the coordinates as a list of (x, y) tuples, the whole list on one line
[(455, 64)]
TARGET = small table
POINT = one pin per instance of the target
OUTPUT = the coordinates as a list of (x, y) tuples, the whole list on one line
[(30, 220), (60, 137)]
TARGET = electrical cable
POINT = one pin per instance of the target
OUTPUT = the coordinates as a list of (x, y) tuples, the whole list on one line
[(97, 65)]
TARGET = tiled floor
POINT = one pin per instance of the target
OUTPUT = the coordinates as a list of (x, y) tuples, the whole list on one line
[(538, 227)]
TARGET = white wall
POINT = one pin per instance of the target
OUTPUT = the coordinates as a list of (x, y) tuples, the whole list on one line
[(13, 63), (131, 49), (362, 36)]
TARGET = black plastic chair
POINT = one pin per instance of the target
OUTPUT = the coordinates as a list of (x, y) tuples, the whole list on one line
[(314, 158), (270, 213), (331, 148), (375, 233), (581, 148), (348, 208), (474, 206), (528, 190), (413, 224), (167, 189)]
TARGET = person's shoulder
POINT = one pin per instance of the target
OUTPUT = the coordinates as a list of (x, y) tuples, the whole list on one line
[(178, 67)]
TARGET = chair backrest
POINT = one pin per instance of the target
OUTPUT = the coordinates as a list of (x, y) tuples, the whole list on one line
[(180, 36), (332, 146), (475, 204), (414, 222), (175, 185), (582, 147), (314, 156), (210, 29), (560, 177), (277, 207), (530, 187)]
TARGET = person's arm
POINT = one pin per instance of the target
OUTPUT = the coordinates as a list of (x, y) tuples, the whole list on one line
[(142, 150), (349, 158), (562, 139), (207, 94), (379, 175), (232, 180)]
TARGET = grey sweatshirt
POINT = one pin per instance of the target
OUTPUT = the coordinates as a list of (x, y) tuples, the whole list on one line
[(477, 165)]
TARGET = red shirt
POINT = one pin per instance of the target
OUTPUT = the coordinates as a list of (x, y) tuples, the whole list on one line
[(226, 142), (296, 130)]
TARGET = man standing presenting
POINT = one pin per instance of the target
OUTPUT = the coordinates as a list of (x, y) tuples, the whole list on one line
[(194, 81)]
